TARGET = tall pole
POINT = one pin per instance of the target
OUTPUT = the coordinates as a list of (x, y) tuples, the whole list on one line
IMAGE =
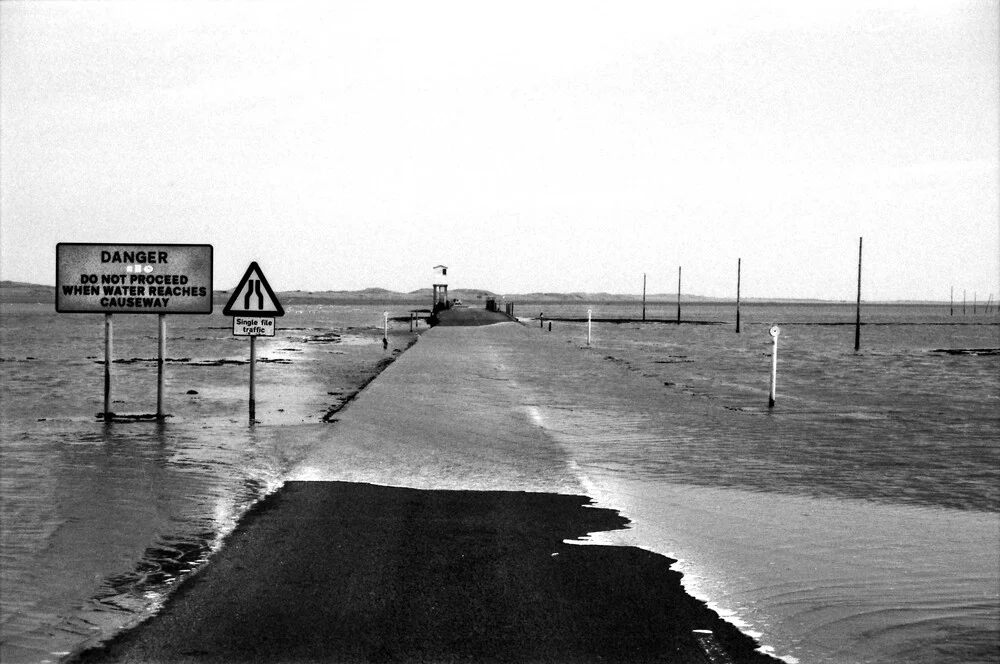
[(160, 370), (678, 293), (644, 296), (952, 300), (108, 334), (857, 325), (738, 266), (963, 301)]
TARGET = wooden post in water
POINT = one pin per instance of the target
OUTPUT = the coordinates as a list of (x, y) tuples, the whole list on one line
[(975, 302), (774, 332), (253, 379), (952, 300), (588, 326), (108, 334), (678, 293), (644, 296), (160, 366), (738, 265), (857, 324), (963, 301)]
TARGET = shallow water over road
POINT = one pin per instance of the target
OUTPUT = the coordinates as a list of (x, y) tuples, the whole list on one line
[(857, 521)]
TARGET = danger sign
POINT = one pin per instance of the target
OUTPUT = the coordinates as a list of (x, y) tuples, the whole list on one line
[(133, 278)]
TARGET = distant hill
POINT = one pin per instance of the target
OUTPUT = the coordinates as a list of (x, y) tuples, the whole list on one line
[(16, 291)]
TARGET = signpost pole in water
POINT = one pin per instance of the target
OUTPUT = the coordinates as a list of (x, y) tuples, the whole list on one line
[(774, 332), (952, 301), (125, 279), (678, 293), (738, 265), (253, 306), (160, 369), (644, 296), (588, 326), (108, 334), (253, 380), (857, 325), (385, 334)]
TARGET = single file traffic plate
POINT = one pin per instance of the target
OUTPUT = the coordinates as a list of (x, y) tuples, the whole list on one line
[(253, 326)]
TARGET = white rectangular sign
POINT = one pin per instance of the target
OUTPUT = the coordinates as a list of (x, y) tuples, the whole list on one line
[(133, 278), (253, 326)]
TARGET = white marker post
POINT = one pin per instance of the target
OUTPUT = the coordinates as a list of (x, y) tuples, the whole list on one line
[(588, 326), (385, 334), (774, 332)]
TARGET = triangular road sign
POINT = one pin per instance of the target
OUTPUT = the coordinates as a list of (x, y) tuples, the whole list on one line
[(253, 297)]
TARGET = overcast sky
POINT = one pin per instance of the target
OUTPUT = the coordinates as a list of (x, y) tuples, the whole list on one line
[(536, 146)]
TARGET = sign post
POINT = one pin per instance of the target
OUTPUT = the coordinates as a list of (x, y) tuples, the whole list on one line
[(133, 279), (253, 306), (161, 358), (108, 336)]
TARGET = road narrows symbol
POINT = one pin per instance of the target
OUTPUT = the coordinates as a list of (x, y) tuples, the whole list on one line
[(253, 284)]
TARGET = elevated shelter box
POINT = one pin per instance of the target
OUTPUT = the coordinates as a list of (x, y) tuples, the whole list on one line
[(440, 289)]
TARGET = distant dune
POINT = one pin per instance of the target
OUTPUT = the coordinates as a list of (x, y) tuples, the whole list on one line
[(16, 291)]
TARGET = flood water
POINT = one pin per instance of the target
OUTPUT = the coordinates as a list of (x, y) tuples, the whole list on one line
[(856, 521), (100, 520)]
